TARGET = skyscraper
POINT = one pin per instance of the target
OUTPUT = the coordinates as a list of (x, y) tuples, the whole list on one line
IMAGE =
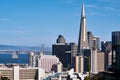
[(61, 39), (32, 59), (83, 38), (90, 39), (61, 50), (116, 51), (97, 60), (93, 57), (93, 41), (97, 40), (106, 47), (83, 46)]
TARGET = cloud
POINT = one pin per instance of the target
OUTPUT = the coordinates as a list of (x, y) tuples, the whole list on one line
[(111, 8), (92, 13), (109, 5), (115, 2), (91, 6)]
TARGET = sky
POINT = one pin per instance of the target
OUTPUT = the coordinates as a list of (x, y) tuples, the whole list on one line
[(37, 22)]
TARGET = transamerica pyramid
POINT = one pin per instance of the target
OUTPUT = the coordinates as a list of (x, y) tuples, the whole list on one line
[(83, 38)]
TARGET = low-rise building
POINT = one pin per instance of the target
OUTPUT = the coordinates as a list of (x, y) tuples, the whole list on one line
[(17, 73)]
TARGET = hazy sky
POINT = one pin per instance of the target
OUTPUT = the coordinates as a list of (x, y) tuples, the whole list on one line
[(36, 22)]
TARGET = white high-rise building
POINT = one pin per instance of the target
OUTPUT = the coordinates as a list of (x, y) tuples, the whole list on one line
[(48, 62), (94, 60), (16, 72), (32, 59)]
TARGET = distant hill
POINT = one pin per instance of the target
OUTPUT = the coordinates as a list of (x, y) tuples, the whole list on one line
[(27, 48)]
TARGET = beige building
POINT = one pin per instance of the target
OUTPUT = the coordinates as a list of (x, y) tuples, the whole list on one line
[(59, 67), (109, 59), (97, 61), (100, 61), (78, 64)]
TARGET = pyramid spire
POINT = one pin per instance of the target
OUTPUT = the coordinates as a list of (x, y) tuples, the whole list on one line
[(83, 11)]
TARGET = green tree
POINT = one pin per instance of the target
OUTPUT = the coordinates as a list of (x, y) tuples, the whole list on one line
[(87, 78), (5, 78)]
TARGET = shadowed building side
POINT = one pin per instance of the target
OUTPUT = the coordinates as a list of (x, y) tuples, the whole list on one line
[(64, 51), (116, 51)]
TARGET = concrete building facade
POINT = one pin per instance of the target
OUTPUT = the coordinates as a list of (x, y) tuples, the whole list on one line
[(48, 63), (78, 64), (94, 60), (100, 61), (32, 59), (93, 41), (17, 73)]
